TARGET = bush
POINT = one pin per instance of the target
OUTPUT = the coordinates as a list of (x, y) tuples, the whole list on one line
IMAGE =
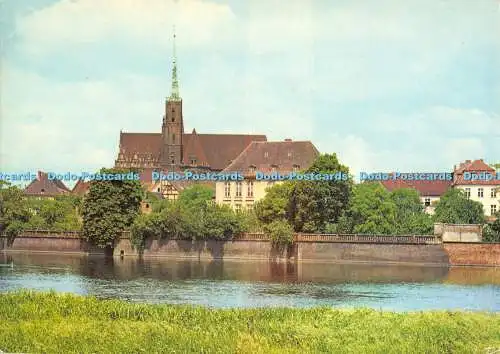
[(491, 232), (280, 231), (144, 226)]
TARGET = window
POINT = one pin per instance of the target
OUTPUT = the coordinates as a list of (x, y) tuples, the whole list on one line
[(238, 207), (238, 189), (296, 168), (480, 192), (427, 202), (173, 119), (289, 154), (173, 162), (158, 190), (467, 192), (493, 209), (493, 193), (193, 161), (227, 189), (273, 168), (252, 168), (266, 154), (250, 189), (173, 138)]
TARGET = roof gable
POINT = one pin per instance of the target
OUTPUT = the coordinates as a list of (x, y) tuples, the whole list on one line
[(280, 156), (43, 186)]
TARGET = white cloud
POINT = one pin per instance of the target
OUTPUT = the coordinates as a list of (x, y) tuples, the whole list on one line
[(60, 125), (77, 22), (295, 55)]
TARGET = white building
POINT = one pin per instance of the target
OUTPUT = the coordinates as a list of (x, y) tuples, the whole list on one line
[(484, 191)]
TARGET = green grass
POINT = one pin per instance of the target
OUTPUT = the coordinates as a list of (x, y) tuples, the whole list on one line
[(62, 323)]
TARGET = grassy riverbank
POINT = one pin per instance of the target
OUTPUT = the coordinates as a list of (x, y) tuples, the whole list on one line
[(55, 323)]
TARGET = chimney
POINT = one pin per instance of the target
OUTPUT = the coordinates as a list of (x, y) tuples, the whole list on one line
[(288, 139)]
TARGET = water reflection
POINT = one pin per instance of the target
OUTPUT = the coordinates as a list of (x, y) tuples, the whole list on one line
[(253, 283)]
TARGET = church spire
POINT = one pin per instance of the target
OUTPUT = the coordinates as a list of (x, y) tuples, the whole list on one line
[(174, 95)]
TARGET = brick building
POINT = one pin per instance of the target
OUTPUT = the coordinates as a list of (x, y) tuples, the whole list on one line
[(173, 149)]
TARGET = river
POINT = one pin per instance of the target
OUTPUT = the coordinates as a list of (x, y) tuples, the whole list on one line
[(257, 284)]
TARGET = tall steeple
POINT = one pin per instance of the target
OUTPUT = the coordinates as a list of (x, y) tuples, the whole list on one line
[(172, 132), (174, 95)]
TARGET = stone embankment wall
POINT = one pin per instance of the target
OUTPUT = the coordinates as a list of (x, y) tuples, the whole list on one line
[(310, 248)]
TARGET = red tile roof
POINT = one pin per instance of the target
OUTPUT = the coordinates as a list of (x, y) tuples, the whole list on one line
[(42, 186), (281, 156), (477, 167), (425, 188), (216, 150), (81, 187)]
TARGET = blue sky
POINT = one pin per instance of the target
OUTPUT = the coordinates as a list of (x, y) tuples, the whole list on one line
[(387, 85)]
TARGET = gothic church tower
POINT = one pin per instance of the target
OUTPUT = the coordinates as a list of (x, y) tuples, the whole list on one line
[(173, 125)]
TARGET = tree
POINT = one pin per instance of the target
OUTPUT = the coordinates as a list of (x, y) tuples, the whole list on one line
[(372, 209), (280, 231), (14, 212), (491, 231), (410, 215), (317, 203), (196, 196), (59, 214), (110, 207), (455, 208), (276, 203)]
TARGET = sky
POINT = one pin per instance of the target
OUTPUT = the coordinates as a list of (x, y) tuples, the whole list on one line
[(409, 86)]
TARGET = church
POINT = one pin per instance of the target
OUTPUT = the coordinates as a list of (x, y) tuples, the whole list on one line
[(175, 150)]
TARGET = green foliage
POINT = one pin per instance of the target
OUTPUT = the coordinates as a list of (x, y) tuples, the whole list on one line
[(410, 215), (276, 204), (192, 216), (280, 232), (109, 208), (491, 231), (14, 212), (315, 204), (64, 323), (251, 222), (145, 226), (455, 208), (59, 214), (372, 209), (196, 196)]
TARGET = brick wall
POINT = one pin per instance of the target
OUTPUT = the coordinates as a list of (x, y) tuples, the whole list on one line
[(473, 253)]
